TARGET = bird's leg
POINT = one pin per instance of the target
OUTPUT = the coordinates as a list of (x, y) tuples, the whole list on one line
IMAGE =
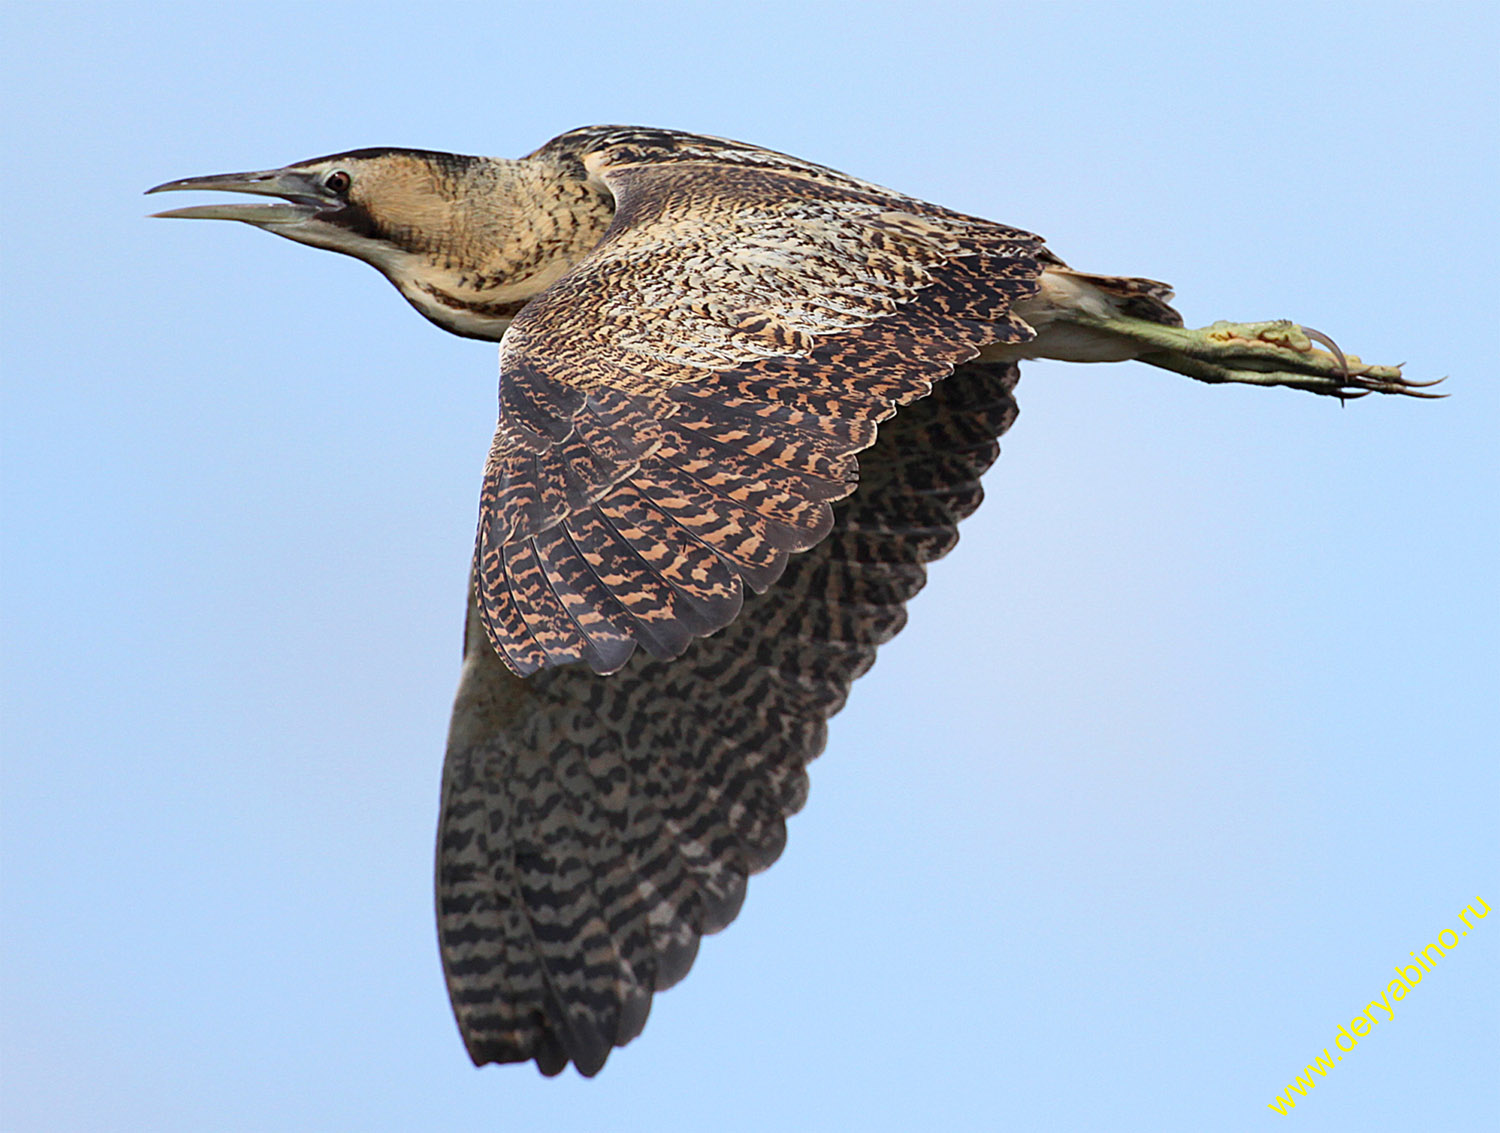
[(1278, 353)]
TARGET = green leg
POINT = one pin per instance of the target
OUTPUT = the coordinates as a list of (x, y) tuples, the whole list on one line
[(1279, 353)]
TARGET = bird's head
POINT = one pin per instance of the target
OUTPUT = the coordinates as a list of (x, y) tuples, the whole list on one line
[(467, 240), (373, 204)]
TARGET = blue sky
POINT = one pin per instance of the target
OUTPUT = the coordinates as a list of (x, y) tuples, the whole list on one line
[(1188, 743)]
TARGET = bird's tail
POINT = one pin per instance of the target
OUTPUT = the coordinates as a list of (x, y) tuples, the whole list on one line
[(1130, 296)]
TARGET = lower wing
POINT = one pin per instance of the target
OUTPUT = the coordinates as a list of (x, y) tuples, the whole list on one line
[(595, 827)]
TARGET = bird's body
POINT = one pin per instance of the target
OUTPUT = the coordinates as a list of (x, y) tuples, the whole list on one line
[(703, 345)]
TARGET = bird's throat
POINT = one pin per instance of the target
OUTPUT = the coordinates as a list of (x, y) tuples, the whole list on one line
[(524, 227)]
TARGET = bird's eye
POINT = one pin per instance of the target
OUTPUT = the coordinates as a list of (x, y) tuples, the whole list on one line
[(337, 182)]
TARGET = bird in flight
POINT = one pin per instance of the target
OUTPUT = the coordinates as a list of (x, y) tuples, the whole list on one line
[(744, 400)]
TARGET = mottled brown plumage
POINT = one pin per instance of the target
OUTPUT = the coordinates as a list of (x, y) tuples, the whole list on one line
[(681, 410), (744, 400)]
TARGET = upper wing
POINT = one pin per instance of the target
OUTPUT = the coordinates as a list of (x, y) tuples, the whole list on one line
[(679, 412), (594, 827)]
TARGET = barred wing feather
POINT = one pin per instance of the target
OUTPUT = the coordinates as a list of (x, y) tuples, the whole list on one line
[(595, 827)]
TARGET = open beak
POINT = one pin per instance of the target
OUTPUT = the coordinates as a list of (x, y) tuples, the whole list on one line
[(302, 197)]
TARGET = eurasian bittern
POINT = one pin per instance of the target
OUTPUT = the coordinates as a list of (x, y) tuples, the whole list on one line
[(696, 339)]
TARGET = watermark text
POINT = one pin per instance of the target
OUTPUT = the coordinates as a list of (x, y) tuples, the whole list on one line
[(1381, 1010)]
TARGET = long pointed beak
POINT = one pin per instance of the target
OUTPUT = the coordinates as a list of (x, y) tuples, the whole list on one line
[(302, 197)]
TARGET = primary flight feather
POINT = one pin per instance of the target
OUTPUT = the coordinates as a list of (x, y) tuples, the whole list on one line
[(744, 399)]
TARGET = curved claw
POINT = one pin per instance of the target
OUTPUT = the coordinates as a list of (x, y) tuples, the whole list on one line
[(1410, 392), (1396, 385), (1319, 336)]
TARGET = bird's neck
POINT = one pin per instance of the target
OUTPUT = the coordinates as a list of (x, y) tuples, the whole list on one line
[(516, 227)]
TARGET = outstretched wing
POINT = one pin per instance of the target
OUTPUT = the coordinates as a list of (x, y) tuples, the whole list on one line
[(594, 828), (679, 413)]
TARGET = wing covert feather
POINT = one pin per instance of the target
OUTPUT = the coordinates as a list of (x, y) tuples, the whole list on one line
[(717, 362)]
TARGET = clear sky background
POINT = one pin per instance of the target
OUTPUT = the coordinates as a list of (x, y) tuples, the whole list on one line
[(1189, 742)]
